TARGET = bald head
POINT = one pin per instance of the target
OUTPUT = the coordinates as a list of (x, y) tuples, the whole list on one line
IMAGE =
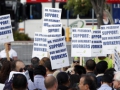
[(51, 83)]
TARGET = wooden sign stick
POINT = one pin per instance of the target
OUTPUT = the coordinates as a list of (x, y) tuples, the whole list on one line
[(7, 52)]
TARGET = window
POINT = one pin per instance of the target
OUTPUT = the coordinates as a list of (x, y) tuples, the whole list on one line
[(64, 12), (33, 11)]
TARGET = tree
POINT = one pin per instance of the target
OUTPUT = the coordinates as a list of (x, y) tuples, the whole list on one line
[(82, 7)]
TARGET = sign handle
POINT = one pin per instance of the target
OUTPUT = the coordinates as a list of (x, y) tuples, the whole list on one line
[(7, 52)]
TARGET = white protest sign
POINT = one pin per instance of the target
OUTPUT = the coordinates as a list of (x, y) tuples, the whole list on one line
[(110, 38), (51, 25), (6, 34), (81, 42), (52, 15), (96, 48), (40, 45), (116, 60), (58, 53)]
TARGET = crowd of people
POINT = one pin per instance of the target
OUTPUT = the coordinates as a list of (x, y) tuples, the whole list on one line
[(96, 74)]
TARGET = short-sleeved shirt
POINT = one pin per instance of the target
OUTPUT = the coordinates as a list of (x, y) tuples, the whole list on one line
[(108, 60), (12, 53)]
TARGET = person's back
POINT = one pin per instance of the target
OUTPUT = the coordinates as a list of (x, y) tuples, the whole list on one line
[(19, 82), (39, 75)]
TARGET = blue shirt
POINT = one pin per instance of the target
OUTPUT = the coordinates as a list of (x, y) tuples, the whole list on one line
[(105, 87)]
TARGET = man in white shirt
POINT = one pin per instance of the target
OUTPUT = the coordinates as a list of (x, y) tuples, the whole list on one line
[(12, 53)]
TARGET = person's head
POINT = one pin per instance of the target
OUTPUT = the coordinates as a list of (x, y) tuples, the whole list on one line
[(39, 70), (63, 79), (45, 61), (18, 65), (35, 61), (87, 83), (5, 59), (19, 82), (79, 70), (105, 15), (101, 67), (110, 72), (51, 83), (116, 80), (76, 61), (90, 65), (9, 45)]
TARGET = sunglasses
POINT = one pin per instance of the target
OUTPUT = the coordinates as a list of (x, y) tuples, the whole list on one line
[(8, 44), (21, 69), (75, 61)]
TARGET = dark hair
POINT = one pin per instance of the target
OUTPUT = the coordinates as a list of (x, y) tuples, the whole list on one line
[(110, 72), (89, 81), (106, 78), (5, 59), (62, 78), (101, 67), (50, 81), (5, 71), (39, 70), (45, 61), (79, 70), (35, 61), (19, 82), (90, 64)]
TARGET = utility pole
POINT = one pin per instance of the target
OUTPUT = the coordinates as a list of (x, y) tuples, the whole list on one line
[(53, 3)]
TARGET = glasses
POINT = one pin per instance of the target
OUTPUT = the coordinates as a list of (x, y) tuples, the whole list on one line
[(21, 69), (75, 61), (8, 44)]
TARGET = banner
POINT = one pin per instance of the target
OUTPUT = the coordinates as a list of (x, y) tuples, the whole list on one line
[(6, 34), (117, 60), (81, 42), (110, 38), (40, 45), (96, 47), (58, 52)]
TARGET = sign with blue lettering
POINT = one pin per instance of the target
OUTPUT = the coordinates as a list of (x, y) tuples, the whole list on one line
[(81, 42), (116, 13), (52, 15), (40, 45), (117, 60), (96, 47), (52, 29), (58, 52), (110, 38), (6, 34)]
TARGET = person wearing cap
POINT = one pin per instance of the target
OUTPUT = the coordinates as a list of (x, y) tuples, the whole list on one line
[(12, 53), (76, 61), (107, 59)]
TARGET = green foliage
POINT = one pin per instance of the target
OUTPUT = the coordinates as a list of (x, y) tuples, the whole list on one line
[(20, 36), (78, 6)]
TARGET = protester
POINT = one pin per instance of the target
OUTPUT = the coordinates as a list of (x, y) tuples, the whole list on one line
[(100, 68), (90, 67), (51, 83), (19, 82), (87, 83), (107, 59), (45, 61), (17, 66), (39, 76), (116, 81), (106, 82), (63, 81), (12, 53), (5, 71), (35, 62)]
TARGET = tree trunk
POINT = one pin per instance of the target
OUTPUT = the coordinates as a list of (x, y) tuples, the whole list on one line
[(100, 21)]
